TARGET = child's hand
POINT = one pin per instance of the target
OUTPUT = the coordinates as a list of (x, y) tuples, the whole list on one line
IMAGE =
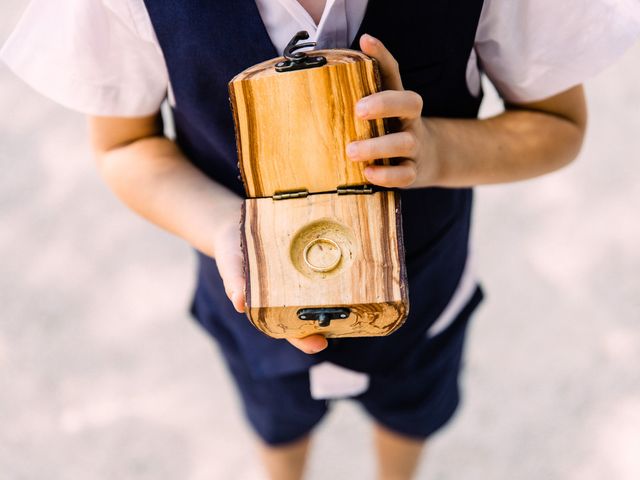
[(229, 259), (412, 144)]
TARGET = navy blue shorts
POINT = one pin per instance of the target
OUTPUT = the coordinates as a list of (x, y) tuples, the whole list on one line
[(414, 402)]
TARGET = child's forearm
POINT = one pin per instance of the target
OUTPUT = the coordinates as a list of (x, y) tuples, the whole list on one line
[(515, 145), (152, 177)]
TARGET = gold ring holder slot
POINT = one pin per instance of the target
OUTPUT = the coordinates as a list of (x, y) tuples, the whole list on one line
[(322, 255)]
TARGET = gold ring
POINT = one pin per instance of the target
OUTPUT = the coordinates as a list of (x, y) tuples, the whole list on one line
[(322, 268)]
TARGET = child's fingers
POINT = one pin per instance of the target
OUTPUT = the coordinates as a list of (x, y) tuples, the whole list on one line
[(229, 261), (388, 65), (311, 344), (401, 144), (389, 104), (238, 300), (233, 278), (398, 176)]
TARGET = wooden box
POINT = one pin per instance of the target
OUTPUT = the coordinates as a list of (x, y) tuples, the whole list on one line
[(323, 250)]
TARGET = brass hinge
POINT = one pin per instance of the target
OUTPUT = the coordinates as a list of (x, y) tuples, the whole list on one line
[(354, 189), (290, 194)]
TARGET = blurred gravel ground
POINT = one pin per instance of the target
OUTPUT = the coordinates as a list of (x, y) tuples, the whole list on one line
[(103, 375)]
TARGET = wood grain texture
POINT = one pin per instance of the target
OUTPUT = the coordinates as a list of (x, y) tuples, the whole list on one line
[(292, 128), (324, 250), (369, 278)]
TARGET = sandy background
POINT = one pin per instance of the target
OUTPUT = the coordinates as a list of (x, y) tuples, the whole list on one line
[(103, 375)]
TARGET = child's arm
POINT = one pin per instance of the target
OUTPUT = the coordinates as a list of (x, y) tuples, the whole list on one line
[(525, 141), (151, 176)]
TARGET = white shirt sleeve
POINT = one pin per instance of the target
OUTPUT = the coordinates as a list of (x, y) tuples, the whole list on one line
[(533, 49), (99, 57)]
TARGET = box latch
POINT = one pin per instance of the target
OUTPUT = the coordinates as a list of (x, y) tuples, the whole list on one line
[(324, 316)]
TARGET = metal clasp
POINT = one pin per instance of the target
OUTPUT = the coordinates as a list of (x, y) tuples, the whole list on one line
[(299, 60), (323, 315)]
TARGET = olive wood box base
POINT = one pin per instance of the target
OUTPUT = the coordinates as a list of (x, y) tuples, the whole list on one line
[(325, 251)]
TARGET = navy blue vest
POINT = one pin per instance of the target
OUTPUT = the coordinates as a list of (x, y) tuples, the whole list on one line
[(207, 42)]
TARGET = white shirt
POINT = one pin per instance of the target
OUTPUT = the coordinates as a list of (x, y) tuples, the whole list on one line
[(102, 57)]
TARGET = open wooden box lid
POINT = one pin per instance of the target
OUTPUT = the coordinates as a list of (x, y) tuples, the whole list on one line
[(292, 127)]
